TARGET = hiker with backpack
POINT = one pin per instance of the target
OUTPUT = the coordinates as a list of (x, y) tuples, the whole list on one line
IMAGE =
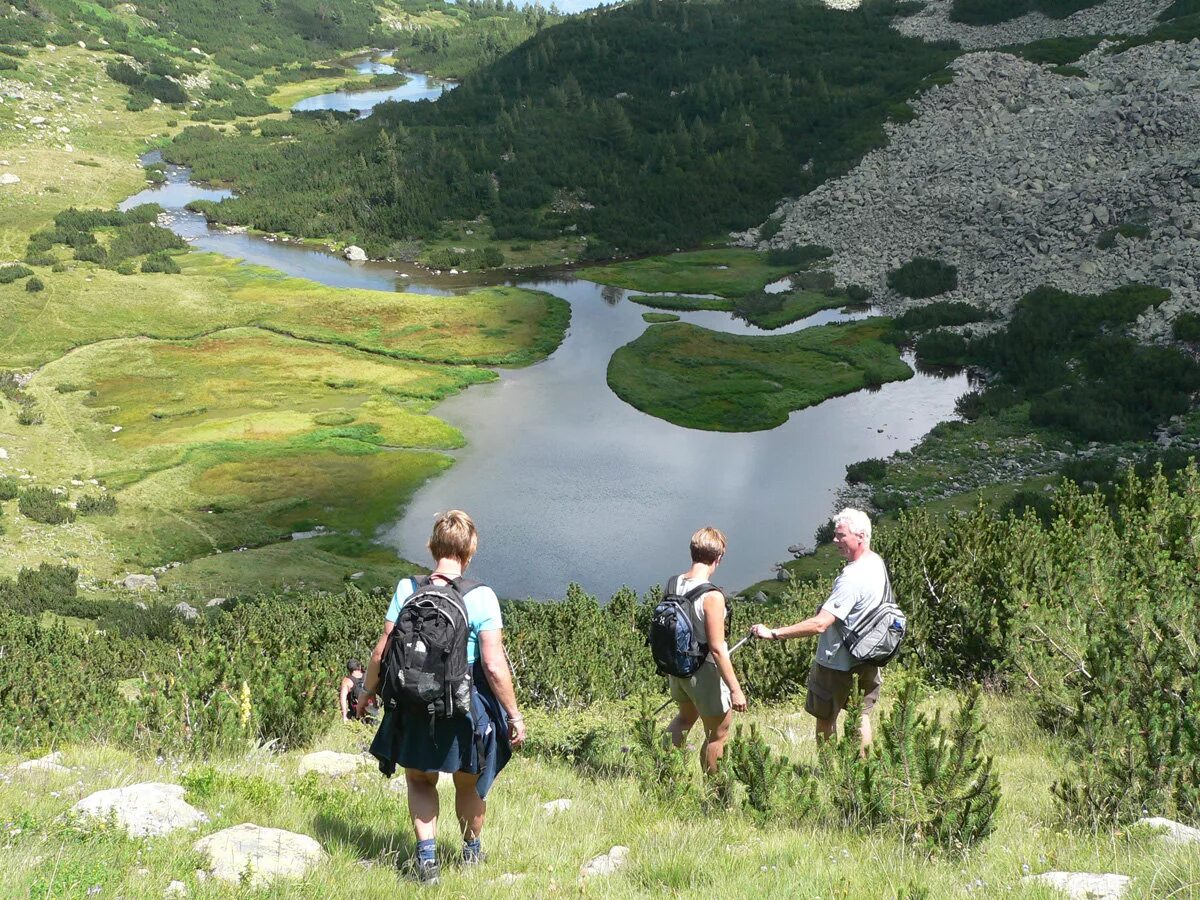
[(687, 639), (447, 692), (349, 692), (860, 628)]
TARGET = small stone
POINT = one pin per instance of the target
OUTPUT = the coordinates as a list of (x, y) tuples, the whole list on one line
[(327, 762), (215, 601), (140, 583), (262, 854), (186, 611), (508, 878), (557, 806), (175, 889), (49, 763), (605, 863), (9, 178), (143, 810), (1084, 885)]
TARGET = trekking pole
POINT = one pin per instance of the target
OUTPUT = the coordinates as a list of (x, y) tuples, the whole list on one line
[(732, 650)]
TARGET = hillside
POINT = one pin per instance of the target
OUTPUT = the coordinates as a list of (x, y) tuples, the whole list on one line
[(596, 126)]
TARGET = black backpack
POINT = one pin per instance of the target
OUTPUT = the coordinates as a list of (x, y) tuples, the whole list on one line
[(424, 664), (676, 648)]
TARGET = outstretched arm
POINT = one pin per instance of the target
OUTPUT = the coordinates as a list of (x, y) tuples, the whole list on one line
[(371, 680), (815, 625)]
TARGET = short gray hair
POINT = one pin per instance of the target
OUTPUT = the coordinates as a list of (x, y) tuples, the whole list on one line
[(856, 520)]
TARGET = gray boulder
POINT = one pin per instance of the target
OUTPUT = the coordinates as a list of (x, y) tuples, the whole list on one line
[(327, 762), (1084, 885), (49, 763), (1173, 832), (140, 583), (143, 810), (186, 611), (259, 854), (355, 253)]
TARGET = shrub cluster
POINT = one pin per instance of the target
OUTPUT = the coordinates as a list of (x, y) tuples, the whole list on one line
[(9, 274), (485, 258), (44, 505), (923, 277), (96, 505)]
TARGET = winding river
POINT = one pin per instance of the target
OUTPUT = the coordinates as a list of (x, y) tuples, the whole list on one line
[(569, 483)]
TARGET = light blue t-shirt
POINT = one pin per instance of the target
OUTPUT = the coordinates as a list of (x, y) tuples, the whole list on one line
[(483, 612)]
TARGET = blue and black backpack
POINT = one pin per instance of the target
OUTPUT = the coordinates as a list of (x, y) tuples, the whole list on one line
[(676, 648)]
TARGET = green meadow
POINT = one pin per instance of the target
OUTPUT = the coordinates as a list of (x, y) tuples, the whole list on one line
[(225, 407), (727, 272), (793, 306), (697, 378)]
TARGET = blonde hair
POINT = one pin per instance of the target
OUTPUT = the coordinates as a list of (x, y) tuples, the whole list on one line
[(708, 545), (454, 537)]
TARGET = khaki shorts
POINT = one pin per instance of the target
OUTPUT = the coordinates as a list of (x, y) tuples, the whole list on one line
[(829, 689), (706, 690)]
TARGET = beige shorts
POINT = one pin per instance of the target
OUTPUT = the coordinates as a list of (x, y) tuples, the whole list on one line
[(706, 690), (829, 689)]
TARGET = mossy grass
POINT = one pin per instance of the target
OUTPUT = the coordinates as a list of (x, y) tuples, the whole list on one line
[(658, 318), (793, 306), (727, 272), (361, 821), (697, 378), (492, 326)]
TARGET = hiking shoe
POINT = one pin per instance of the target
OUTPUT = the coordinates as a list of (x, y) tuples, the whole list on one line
[(473, 857), (427, 871)]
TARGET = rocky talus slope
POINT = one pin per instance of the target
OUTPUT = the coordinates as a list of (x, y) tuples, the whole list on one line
[(1018, 176), (1112, 17)]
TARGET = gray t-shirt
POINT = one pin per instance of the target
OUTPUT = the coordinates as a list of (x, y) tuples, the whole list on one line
[(857, 590)]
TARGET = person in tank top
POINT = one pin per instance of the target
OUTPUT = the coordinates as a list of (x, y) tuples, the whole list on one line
[(712, 694)]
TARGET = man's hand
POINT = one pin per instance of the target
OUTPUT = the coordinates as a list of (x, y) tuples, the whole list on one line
[(762, 631), (738, 699), (364, 701), (516, 732)]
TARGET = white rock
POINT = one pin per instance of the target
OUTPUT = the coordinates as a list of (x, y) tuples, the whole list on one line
[(355, 253), (9, 178), (3, 453), (38, 120), (508, 878), (116, 428), (175, 889), (1083, 885), (50, 763), (186, 611), (557, 806), (215, 601), (140, 583), (605, 863), (143, 810), (262, 853), (327, 762), (1173, 832)]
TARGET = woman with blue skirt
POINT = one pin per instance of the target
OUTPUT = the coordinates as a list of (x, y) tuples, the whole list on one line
[(473, 746)]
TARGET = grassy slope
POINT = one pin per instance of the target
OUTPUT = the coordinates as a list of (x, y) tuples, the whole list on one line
[(702, 379), (725, 272), (360, 820), (245, 403)]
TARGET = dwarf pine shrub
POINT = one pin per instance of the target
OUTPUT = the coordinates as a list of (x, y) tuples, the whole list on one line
[(44, 505), (776, 789), (97, 505), (922, 277), (663, 771)]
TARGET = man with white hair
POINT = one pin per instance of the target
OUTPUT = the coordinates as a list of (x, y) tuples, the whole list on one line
[(859, 588)]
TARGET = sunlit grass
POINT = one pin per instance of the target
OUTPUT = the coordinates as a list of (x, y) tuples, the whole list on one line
[(727, 272), (362, 823)]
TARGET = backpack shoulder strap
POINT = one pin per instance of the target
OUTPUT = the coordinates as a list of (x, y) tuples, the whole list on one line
[(701, 589), (464, 586)]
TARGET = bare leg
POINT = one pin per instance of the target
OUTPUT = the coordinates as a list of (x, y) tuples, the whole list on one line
[(716, 731), (422, 802), (469, 805), (865, 728), (682, 723), (826, 729)]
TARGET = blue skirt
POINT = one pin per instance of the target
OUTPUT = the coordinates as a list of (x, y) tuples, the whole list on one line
[(476, 743)]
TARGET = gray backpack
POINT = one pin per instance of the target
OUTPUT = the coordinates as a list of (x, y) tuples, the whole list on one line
[(879, 631)]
